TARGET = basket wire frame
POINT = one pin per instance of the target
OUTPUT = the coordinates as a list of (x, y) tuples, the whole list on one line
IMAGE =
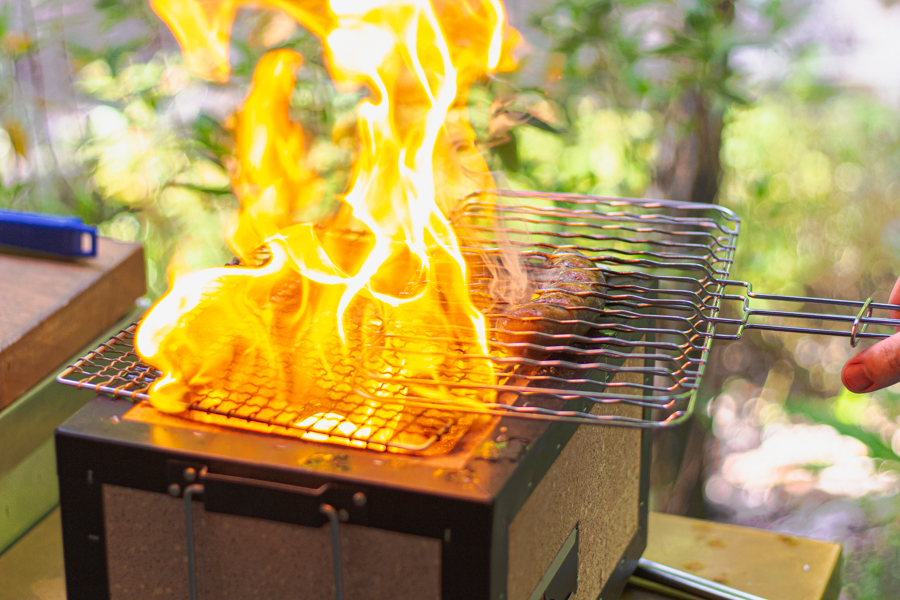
[(667, 270)]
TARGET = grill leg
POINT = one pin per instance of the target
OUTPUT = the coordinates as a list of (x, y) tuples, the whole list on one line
[(333, 516), (189, 492)]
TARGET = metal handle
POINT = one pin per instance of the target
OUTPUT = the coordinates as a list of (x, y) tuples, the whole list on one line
[(234, 486), (189, 493), (247, 497), (686, 582), (334, 516), (858, 322), (259, 483)]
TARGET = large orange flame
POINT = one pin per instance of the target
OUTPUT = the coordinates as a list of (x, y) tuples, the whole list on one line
[(388, 256)]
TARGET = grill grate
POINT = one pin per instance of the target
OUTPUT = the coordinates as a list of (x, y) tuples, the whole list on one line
[(666, 266), (115, 369)]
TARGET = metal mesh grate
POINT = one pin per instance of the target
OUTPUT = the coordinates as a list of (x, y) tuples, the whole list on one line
[(114, 368), (666, 267), (664, 264), (335, 416)]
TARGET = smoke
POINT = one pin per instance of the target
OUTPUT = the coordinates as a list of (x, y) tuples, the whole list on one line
[(490, 234)]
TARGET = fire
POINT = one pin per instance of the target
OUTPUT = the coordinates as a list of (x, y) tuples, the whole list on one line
[(371, 306)]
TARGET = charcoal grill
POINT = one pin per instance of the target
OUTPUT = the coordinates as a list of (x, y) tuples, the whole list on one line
[(522, 506)]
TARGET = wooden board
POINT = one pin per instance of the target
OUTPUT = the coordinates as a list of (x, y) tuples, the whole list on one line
[(49, 309), (768, 564)]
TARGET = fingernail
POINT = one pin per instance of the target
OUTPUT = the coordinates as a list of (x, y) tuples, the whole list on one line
[(855, 378)]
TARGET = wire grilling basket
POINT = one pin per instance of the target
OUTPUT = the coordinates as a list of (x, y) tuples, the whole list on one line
[(666, 267)]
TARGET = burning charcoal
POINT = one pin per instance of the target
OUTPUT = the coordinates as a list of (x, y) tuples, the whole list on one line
[(563, 307)]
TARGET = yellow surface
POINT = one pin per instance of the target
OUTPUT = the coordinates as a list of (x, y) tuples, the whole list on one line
[(33, 568), (760, 562), (770, 565)]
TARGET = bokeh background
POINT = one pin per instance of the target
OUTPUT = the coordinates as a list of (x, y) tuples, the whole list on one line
[(785, 111)]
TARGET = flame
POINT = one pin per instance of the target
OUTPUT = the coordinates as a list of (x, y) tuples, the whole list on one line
[(379, 289)]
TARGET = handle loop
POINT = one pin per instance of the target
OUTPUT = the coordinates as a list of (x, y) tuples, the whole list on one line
[(856, 329)]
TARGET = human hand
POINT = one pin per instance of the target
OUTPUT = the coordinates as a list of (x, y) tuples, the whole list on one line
[(878, 366)]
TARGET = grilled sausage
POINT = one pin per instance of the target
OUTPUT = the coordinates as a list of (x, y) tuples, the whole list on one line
[(571, 261), (584, 293), (573, 303), (532, 322), (563, 307)]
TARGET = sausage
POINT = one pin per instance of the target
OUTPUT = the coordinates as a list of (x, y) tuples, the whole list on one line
[(530, 322), (584, 293), (563, 307), (571, 261), (572, 303)]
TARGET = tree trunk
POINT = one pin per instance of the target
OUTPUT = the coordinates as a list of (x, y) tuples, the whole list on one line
[(689, 169)]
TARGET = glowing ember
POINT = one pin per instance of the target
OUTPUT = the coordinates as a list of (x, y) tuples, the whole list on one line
[(320, 319)]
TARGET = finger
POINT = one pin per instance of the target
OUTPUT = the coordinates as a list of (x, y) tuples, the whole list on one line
[(895, 299), (874, 368)]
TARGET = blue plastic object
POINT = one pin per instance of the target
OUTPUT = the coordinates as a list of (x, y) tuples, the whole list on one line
[(54, 234)]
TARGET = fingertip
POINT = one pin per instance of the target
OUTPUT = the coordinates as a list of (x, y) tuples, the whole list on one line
[(855, 378), (895, 299), (876, 367)]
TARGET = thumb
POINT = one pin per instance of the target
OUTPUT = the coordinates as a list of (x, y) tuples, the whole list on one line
[(874, 368)]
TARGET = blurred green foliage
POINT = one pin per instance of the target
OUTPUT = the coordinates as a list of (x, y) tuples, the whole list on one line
[(817, 186), (869, 571), (636, 98)]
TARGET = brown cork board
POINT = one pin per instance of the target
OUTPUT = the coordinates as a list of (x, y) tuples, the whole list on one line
[(595, 484), (242, 558), (49, 309)]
